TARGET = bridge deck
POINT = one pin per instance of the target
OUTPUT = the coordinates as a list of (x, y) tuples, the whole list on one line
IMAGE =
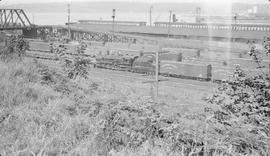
[(185, 32)]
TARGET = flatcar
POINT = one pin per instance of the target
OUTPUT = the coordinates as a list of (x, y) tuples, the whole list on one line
[(225, 73), (249, 63)]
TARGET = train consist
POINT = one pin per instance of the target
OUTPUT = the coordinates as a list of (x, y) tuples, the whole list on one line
[(172, 64), (146, 64)]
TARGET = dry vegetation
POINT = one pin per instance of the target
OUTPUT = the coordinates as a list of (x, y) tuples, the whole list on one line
[(46, 112)]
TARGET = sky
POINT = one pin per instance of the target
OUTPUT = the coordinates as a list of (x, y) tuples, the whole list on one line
[(8, 2)]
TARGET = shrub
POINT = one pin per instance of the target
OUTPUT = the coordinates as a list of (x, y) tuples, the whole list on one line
[(75, 65), (15, 49), (241, 109)]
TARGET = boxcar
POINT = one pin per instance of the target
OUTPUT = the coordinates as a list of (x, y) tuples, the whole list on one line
[(185, 70), (171, 56)]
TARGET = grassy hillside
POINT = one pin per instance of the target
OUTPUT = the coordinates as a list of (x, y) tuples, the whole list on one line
[(44, 112)]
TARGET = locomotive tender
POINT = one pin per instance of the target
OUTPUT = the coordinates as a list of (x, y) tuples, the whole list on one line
[(146, 64), (171, 63)]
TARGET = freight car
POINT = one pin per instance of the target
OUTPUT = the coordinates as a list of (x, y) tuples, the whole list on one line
[(186, 70), (170, 63), (115, 62), (171, 56), (249, 63), (147, 65)]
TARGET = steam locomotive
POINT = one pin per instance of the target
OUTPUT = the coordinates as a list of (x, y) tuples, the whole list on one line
[(173, 64), (146, 64)]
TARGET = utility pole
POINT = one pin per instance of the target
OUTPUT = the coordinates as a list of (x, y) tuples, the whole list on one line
[(113, 24), (69, 32), (157, 73), (155, 82), (170, 23), (151, 15)]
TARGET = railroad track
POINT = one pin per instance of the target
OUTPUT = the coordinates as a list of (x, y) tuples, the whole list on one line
[(172, 82), (144, 79)]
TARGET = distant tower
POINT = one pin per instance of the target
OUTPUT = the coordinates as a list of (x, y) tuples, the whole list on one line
[(113, 24), (198, 15)]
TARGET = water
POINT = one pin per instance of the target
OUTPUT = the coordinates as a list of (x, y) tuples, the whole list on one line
[(60, 18)]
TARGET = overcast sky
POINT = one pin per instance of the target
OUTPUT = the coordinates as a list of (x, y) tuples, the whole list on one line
[(7, 2)]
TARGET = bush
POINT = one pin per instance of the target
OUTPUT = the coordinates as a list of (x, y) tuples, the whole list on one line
[(75, 65), (241, 109), (16, 49)]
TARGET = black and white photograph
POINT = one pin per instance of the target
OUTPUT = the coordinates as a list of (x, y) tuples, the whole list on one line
[(134, 77)]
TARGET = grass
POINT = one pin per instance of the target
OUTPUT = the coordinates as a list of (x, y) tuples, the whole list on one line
[(43, 113)]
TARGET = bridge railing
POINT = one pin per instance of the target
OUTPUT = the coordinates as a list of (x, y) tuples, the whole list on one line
[(128, 23)]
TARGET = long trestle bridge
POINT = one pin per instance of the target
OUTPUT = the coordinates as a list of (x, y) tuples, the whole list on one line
[(16, 19), (126, 32)]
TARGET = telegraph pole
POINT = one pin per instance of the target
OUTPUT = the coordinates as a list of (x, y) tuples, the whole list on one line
[(155, 82), (69, 33), (113, 24), (170, 22), (151, 15), (157, 73)]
